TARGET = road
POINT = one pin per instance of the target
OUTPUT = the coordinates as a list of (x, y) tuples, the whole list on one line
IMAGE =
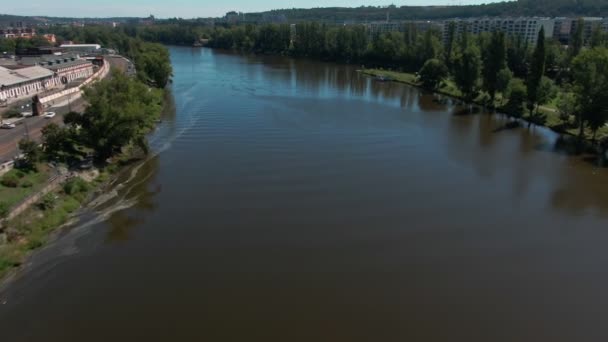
[(32, 127)]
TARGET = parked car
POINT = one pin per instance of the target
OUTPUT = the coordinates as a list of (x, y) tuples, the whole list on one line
[(8, 125), (49, 115), (27, 114)]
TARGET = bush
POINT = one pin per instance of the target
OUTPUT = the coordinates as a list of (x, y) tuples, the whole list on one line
[(75, 186), (48, 202), (4, 210), (10, 180), (12, 113), (27, 184)]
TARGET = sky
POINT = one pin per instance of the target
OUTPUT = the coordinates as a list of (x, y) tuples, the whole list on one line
[(189, 8)]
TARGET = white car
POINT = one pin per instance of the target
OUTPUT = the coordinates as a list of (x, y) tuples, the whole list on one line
[(49, 115), (8, 125), (27, 114)]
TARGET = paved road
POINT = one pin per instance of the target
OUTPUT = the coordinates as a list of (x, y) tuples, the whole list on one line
[(32, 127)]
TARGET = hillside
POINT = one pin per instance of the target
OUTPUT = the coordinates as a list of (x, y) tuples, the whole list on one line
[(550, 8)]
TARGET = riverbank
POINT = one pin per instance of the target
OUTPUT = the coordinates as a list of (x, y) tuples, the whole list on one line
[(448, 88), (56, 204)]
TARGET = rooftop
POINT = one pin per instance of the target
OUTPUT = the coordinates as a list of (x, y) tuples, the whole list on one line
[(11, 77)]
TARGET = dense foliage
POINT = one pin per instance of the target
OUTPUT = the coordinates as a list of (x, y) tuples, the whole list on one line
[(120, 112)]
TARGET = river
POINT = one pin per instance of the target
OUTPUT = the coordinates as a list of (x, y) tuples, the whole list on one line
[(293, 200)]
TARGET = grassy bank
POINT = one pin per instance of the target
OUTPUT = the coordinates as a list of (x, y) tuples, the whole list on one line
[(16, 185), (448, 88), (31, 230)]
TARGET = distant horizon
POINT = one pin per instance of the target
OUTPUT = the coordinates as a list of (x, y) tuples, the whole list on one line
[(192, 9)]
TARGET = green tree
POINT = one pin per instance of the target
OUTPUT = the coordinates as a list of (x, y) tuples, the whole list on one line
[(566, 107), (4, 210), (59, 142), (577, 41), (516, 93), (449, 44), (493, 63), (467, 68), (537, 70), (503, 79), (433, 73), (590, 73), (7, 46), (121, 111), (597, 37), (31, 152)]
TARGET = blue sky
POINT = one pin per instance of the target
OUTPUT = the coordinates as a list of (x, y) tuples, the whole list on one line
[(188, 8)]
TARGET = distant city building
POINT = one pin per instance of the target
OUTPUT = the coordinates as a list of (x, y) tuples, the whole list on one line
[(527, 28), (565, 28), (84, 48), (51, 38), (380, 27), (17, 32)]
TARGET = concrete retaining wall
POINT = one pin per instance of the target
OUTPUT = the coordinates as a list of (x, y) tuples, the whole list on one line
[(53, 184), (101, 73)]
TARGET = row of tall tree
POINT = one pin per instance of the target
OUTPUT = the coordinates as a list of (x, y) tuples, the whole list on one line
[(480, 66)]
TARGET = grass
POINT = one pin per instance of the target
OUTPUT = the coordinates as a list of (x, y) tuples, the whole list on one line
[(448, 87), (31, 230), (37, 179)]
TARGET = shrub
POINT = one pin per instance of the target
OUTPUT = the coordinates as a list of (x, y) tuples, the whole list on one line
[(4, 210), (10, 180), (27, 184), (48, 202), (75, 186), (12, 113)]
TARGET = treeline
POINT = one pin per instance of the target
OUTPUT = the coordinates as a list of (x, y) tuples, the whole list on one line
[(151, 59), (406, 50), (550, 8), (489, 68)]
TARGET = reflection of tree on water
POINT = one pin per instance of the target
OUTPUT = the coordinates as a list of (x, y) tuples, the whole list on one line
[(142, 190)]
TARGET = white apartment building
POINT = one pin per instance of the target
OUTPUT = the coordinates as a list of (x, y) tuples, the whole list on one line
[(527, 28)]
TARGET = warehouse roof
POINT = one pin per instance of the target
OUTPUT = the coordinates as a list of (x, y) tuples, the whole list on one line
[(13, 77)]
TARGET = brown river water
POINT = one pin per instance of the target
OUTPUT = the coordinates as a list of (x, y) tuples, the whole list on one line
[(292, 200)]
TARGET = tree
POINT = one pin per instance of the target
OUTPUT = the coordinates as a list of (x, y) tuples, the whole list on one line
[(433, 73), (577, 40), (32, 153), (517, 56), (467, 68), (121, 111), (537, 70), (590, 73), (597, 37), (516, 94), (566, 106), (7, 46), (58, 141), (449, 44), (503, 79), (4, 210), (493, 63)]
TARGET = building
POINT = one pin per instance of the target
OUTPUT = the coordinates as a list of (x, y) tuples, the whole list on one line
[(17, 32), (16, 83), (82, 48), (565, 28), (380, 27), (34, 74), (525, 27), (51, 38)]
